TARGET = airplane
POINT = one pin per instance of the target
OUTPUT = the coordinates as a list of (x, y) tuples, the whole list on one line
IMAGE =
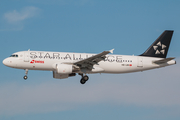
[(66, 64)]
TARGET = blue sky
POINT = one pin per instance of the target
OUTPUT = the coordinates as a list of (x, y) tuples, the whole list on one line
[(89, 26)]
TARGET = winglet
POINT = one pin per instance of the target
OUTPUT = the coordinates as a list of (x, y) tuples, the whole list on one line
[(111, 51)]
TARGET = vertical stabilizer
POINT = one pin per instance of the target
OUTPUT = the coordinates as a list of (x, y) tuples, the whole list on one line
[(160, 47)]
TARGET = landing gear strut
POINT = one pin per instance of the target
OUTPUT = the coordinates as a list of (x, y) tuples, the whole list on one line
[(84, 78), (26, 72)]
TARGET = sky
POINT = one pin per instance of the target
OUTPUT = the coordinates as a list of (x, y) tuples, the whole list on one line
[(89, 26)]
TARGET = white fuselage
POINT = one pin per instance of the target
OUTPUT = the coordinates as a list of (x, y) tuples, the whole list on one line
[(42, 60)]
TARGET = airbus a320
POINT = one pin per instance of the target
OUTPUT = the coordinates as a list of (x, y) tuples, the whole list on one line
[(66, 64)]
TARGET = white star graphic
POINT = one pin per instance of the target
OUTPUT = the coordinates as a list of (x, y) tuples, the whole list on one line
[(162, 51)]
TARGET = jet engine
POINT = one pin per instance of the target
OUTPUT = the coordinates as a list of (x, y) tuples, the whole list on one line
[(64, 69)]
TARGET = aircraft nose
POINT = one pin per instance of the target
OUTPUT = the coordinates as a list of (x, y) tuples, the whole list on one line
[(9, 63), (5, 62)]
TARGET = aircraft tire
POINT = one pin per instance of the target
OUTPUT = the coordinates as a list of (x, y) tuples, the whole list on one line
[(86, 78), (82, 81), (25, 77)]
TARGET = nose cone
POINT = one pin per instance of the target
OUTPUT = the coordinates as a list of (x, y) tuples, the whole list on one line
[(9, 62), (5, 62)]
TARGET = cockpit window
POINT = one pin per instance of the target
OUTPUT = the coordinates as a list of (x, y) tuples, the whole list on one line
[(14, 55)]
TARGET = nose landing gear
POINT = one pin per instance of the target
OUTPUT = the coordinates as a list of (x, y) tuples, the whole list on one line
[(25, 77), (84, 78), (26, 72)]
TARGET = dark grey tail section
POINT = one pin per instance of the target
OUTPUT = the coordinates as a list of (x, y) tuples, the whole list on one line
[(160, 47)]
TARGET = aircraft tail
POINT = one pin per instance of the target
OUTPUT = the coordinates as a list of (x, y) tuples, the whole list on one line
[(160, 47)]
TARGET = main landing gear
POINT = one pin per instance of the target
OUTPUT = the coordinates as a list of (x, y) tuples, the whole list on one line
[(26, 72), (84, 78)]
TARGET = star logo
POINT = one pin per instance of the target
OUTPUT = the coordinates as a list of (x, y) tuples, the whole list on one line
[(159, 48)]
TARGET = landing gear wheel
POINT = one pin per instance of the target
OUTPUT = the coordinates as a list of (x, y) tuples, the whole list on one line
[(82, 81), (26, 72), (86, 78), (25, 77)]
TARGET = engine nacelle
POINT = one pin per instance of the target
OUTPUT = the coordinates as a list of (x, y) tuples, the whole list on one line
[(64, 69), (62, 76)]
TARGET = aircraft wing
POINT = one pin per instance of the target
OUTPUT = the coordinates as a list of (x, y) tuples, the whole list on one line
[(89, 62), (163, 60)]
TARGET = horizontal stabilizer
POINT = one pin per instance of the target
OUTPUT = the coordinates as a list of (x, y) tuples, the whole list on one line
[(163, 60)]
